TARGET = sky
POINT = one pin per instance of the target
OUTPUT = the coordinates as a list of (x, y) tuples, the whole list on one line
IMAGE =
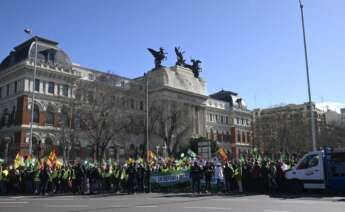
[(252, 47)]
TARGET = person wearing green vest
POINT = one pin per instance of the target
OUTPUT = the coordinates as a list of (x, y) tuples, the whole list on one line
[(36, 180), (238, 176), (3, 180), (65, 177), (54, 178), (115, 178)]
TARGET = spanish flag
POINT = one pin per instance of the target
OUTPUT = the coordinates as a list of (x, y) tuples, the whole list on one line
[(152, 156), (52, 158), (222, 154)]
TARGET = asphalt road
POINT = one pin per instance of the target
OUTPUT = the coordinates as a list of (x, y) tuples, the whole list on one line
[(174, 202)]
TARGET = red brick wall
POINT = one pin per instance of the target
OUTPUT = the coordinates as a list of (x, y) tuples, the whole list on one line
[(23, 115), (20, 138), (233, 142), (42, 118)]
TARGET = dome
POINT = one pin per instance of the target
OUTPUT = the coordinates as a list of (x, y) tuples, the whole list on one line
[(47, 52)]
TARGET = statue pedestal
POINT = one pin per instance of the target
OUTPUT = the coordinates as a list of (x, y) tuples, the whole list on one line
[(177, 77)]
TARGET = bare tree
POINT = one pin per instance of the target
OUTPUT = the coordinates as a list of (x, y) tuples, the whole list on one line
[(333, 135), (100, 115), (68, 134), (173, 124)]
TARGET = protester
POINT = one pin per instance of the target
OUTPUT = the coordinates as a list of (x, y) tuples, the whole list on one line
[(253, 174), (195, 174)]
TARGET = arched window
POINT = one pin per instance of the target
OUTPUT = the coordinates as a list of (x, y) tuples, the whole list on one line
[(36, 147), (64, 117), (48, 146), (36, 116), (50, 116)]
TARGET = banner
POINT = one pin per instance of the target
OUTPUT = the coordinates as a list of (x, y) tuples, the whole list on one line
[(175, 177), (170, 178)]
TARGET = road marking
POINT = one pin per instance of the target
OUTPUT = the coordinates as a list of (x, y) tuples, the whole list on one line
[(119, 206), (208, 208), (50, 199), (112, 198), (276, 211), (18, 197), (232, 199), (67, 206), (146, 206), (13, 202), (11, 206)]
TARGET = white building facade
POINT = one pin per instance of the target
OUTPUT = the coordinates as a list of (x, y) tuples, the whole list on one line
[(222, 117)]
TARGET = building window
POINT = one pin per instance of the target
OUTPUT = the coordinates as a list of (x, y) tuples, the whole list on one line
[(238, 138), (141, 105), (36, 116), (65, 90), (64, 117), (237, 120), (51, 87), (15, 86), (0, 92), (216, 118), (5, 117), (91, 77), (210, 116), (37, 85), (222, 119), (132, 104), (226, 120), (77, 120), (50, 117), (7, 89)]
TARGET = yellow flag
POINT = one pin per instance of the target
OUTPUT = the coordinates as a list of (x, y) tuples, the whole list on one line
[(18, 161)]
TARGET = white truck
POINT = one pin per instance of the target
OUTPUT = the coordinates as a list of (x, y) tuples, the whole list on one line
[(322, 169)]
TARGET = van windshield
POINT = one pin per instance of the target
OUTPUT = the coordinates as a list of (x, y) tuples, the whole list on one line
[(309, 162)]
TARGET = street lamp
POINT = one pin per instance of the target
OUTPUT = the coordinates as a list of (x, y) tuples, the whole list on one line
[(29, 32), (312, 122), (147, 118)]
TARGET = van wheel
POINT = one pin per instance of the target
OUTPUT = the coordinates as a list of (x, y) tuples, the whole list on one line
[(296, 187)]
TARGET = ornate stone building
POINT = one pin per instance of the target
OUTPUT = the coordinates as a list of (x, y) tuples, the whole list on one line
[(222, 117), (228, 122)]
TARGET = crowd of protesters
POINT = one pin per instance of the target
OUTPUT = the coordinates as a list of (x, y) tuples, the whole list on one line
[(250, 175)]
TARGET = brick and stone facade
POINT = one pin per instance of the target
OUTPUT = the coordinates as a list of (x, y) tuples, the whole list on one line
[(55, 86)]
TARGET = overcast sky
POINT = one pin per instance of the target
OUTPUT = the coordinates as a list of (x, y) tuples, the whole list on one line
[(253, 47)]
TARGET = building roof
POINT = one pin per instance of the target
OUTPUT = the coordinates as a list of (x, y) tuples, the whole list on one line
[(228, 96), (47, 52)]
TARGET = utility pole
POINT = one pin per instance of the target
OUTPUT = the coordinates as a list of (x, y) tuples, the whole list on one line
[(147, 119), (311, 108), (29, 32)]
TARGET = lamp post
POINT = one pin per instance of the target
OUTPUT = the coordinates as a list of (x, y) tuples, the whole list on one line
[(147, 118), (311, 108), (29, 32)]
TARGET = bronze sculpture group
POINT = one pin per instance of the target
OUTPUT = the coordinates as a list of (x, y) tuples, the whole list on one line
[(160, 55)]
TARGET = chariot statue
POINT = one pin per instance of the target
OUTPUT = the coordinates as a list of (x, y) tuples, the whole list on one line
[(195, 67), (159, 56), (179, 54)]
